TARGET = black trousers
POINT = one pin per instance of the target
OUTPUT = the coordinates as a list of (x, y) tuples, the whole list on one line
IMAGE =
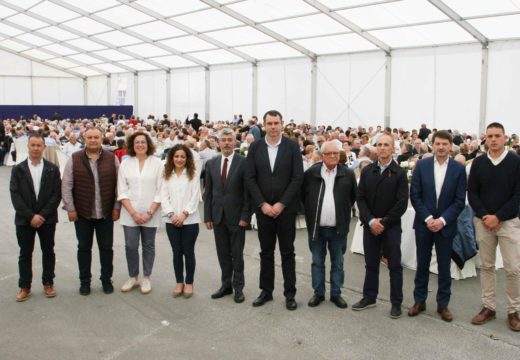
[(104, 229), (269, 229), (229, 241), (26, 236), (390, 242)]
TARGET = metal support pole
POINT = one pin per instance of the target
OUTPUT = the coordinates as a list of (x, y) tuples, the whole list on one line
[(483, 89), (206, 94), (254, 102), (168, 92), (109, 89), (314, 86), (388, 88), (85, 91), (136, 94)]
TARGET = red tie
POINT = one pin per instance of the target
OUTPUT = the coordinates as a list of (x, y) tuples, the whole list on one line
[(223, 177)]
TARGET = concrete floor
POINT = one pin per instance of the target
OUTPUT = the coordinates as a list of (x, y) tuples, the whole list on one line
[(157, 326)]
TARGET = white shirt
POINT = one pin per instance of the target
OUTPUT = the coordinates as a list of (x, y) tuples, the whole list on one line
[(328, 208), (499, 159), (179, 194), (439, 174), (142, 188), (272, 151), (68, 148), (36, 175), (230, 159)]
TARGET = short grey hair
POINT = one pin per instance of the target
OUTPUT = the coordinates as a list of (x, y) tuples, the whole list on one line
[(226, 131), (330, 142)]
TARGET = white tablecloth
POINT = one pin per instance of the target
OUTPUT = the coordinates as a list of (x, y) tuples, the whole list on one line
[(408, 250)]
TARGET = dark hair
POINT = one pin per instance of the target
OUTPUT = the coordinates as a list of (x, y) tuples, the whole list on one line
[(149, 143), (170, 165), (36, 134), (442, 134), (273, 113), (121, 144), (497, 126)]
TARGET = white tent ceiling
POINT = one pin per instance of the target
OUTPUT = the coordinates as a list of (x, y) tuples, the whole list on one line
[(94, 37)]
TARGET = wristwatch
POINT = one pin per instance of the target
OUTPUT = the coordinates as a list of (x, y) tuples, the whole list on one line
[(149, 212)]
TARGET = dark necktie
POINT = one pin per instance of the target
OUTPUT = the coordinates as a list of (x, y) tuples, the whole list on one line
[(223, 176)]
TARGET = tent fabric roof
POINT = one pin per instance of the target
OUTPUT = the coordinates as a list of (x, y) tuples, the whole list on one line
[(96, 37)]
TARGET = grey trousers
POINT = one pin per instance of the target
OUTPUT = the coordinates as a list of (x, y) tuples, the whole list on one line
[(132, 235)]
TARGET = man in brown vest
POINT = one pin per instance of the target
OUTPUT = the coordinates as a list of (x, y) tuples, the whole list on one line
[(89, 196)]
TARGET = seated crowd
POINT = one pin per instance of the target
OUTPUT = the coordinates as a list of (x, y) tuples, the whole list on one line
[(147, 171)]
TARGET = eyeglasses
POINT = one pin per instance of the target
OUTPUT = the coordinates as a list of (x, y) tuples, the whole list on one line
[(332, 153), (140, 142)]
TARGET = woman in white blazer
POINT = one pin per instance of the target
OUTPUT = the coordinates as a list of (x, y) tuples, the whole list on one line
[(180, 194), (139, 190)]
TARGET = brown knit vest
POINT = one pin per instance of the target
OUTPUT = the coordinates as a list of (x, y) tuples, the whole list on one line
[(83, 184)]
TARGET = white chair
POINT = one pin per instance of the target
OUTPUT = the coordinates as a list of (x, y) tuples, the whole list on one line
[(22, 152)]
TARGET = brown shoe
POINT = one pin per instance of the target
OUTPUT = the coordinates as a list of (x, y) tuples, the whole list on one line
[(23, 294), (445, 313), (514, 321), (48, 290), (416, 309), (188, 291), (484, 316)]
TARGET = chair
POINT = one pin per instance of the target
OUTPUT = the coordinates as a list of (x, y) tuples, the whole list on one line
[(21, 147)]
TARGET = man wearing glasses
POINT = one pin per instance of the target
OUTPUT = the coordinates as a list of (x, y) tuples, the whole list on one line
[(328, 194)]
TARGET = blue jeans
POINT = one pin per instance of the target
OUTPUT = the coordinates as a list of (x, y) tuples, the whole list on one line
[(182, 240), (337, 244)]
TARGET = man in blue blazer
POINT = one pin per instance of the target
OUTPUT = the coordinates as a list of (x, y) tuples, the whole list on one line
[(438, 194)]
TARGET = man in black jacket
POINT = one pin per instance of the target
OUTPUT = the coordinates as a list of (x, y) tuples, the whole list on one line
[(274, 175), (328, 194), (36, 194), (382, 200)]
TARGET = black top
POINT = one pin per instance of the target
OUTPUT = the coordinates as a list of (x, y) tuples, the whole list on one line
[(495, 190)]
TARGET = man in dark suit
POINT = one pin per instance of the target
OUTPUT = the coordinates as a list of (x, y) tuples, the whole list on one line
[(438, 194), (382, 199), (274, 175), (36, 194), (195, 123), (226, 211)]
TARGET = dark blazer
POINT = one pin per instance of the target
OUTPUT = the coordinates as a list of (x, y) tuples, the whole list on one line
[(232, 202), (451, 199), (24, 199), (281, 185), (313, 189), (383, 195)]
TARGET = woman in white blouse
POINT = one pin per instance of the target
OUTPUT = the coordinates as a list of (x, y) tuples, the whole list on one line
[(139, 190), (180, 194)]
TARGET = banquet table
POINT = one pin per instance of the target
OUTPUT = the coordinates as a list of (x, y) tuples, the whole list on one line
[(408, 250)]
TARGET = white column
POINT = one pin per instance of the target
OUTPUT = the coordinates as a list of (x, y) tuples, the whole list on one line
[(388, 88), (314, 86), (483, 89)]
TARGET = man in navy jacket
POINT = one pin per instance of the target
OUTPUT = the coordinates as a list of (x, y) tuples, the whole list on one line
[(438, 194)]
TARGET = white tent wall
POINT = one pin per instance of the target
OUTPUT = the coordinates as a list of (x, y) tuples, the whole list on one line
[(14, 65), (503, 94), (151, 93), (122, 89), (285, 86), (187, 93), (97, 90), (231, 91), (15, 90), (57, 91), (350, 90), (438, 86)]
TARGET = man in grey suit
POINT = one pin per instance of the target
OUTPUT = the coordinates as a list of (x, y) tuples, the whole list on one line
[(226, 211)]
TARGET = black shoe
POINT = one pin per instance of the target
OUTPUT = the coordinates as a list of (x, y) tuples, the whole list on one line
[(339, 301), (239, 296), (290, 303), (395, 313), (363, 304), (315, 300), (262, 298), (221, 293), (108, 288), (84, 289)]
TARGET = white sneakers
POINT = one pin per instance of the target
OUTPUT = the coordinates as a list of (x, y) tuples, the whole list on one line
[(146, 286), (130, 284), (133, 283)]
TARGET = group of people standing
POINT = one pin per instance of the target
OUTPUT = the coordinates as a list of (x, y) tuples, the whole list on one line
[(271, 183)]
